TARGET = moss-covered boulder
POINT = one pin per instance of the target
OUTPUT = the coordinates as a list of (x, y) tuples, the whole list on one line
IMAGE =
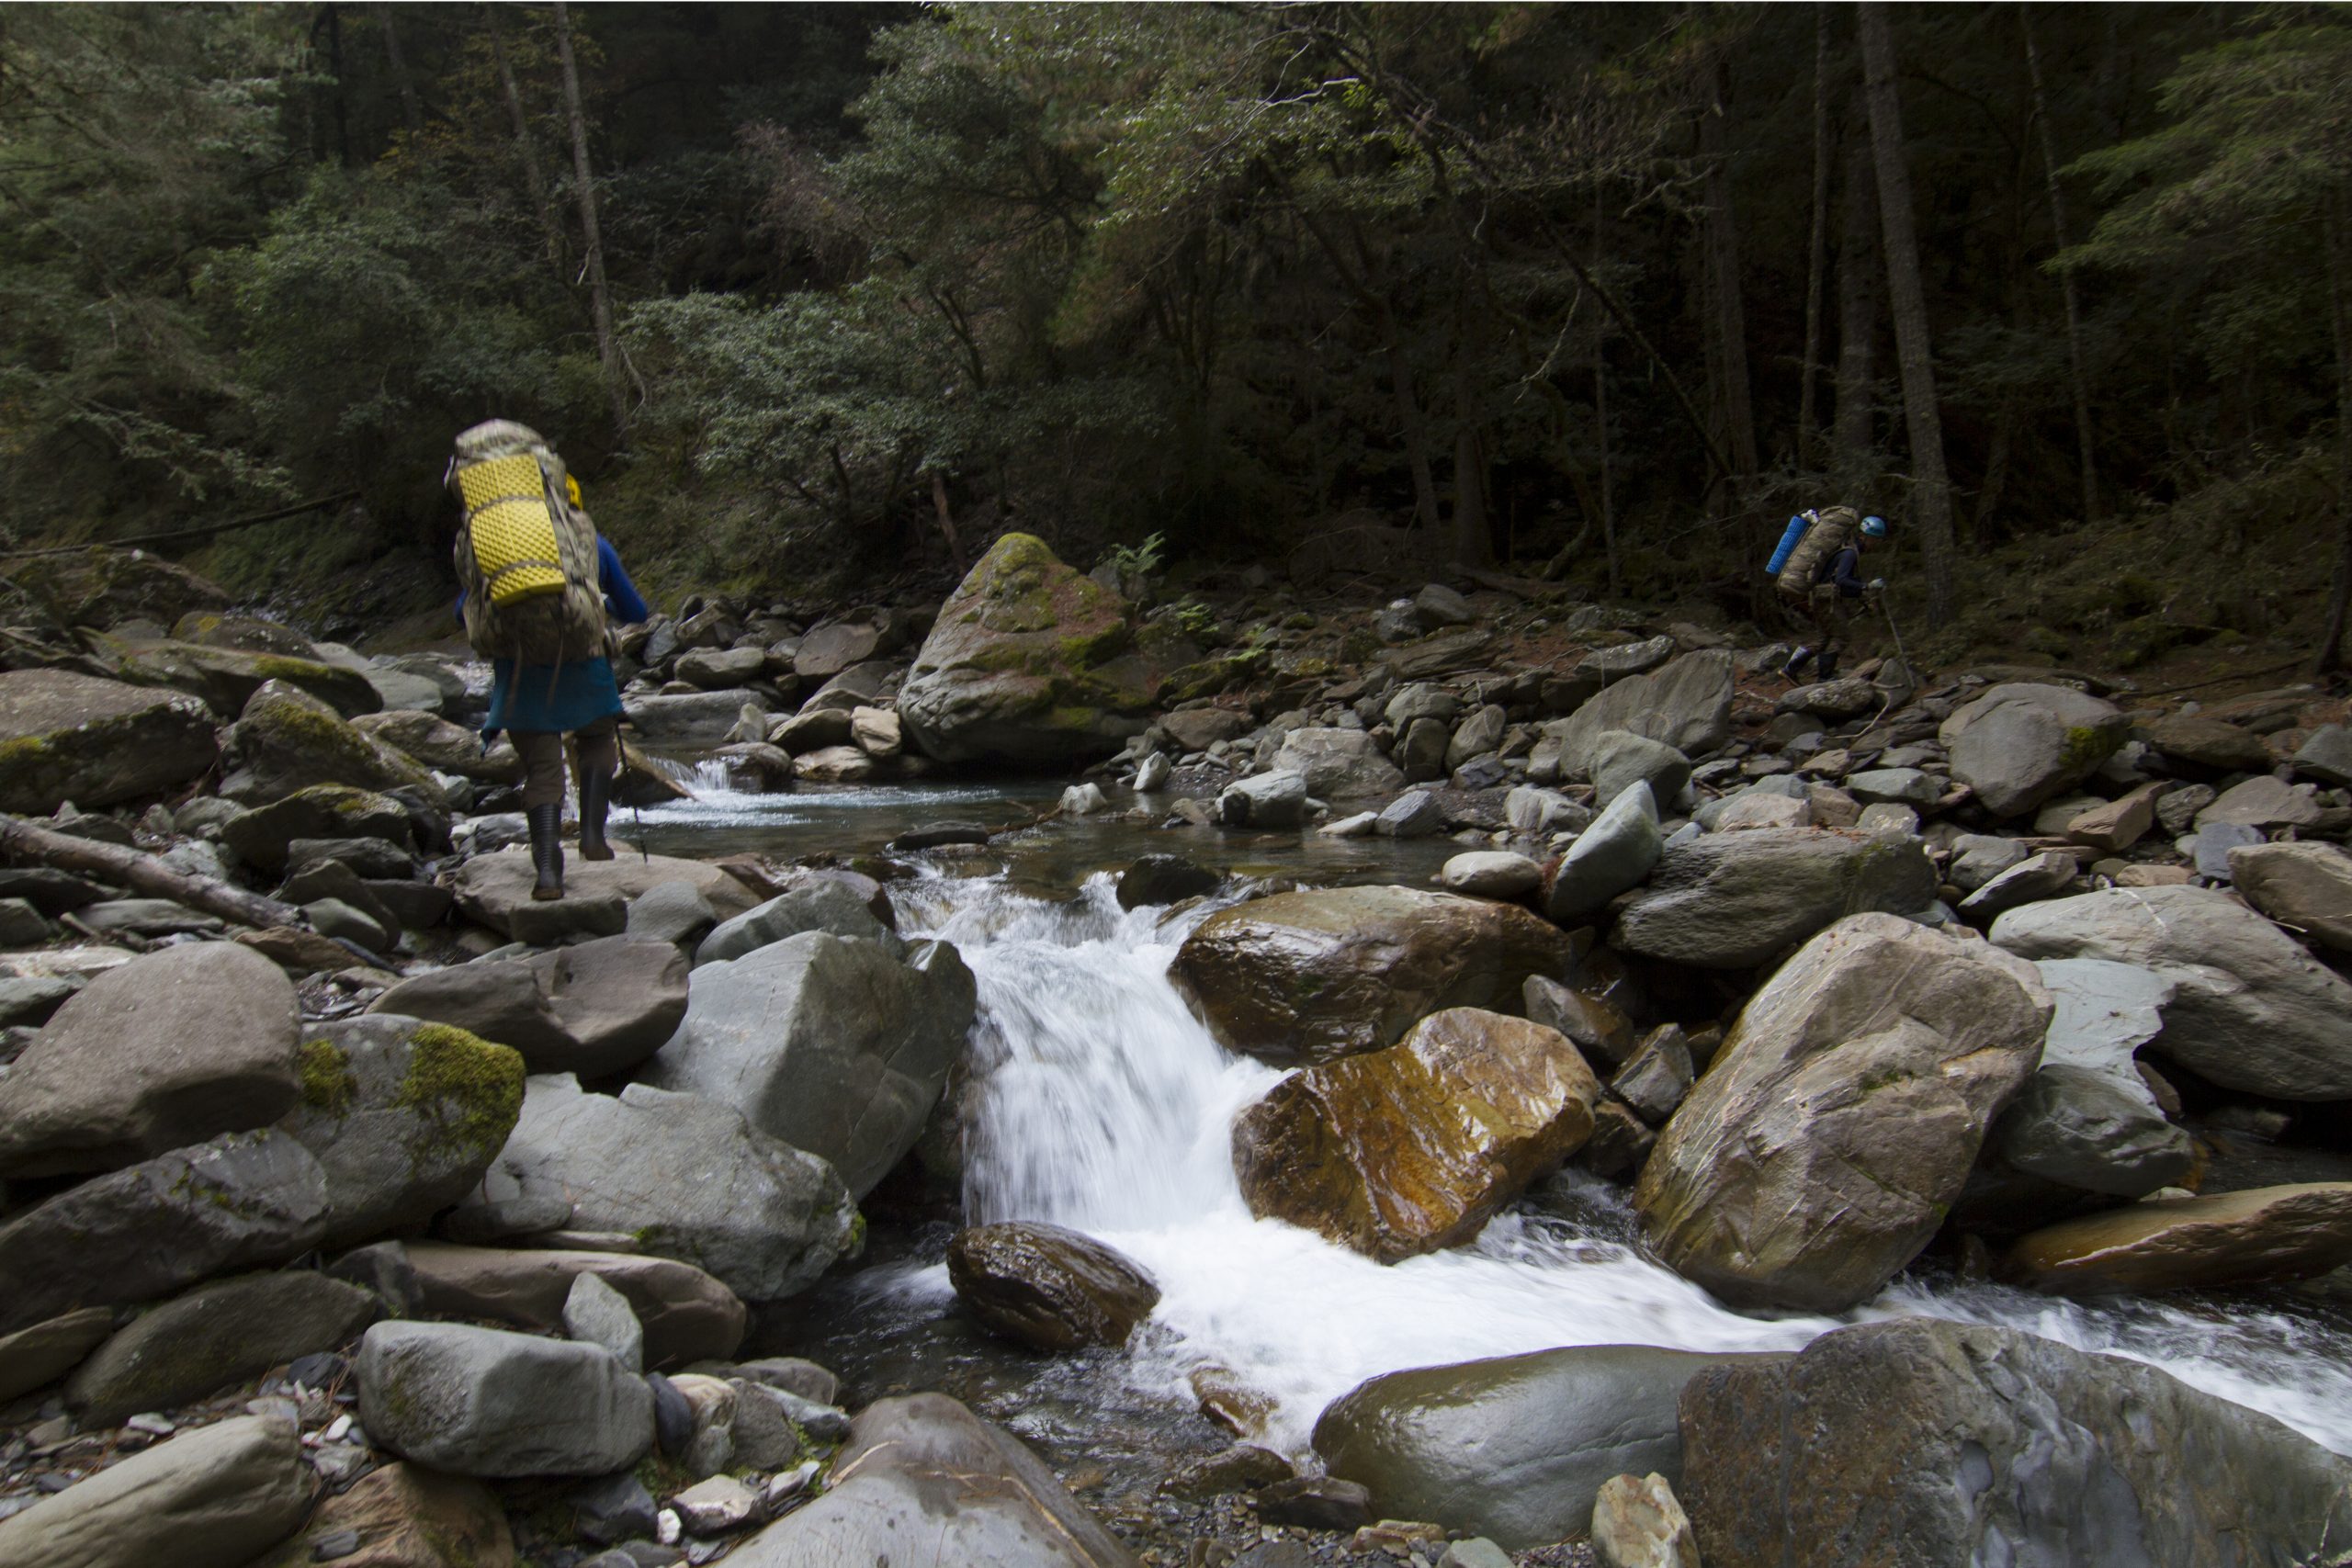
[(253, 634), (1030, 664), (71, 737), (216, 1335), (228, 677), (440, 745), (1307, 976), (99, 587), (287, 740), (403, 1115), (260, 837)]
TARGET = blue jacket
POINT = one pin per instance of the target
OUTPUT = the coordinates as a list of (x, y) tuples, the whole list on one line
[(557, 699)]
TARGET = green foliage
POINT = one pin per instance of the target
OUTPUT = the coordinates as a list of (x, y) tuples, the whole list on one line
[(1136, 560)]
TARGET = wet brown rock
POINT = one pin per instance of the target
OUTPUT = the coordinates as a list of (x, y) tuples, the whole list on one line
[(2238, 1238), (1048, 1288), (1406, 1150), (1313, 975), (2306, 888), (408, 1517)]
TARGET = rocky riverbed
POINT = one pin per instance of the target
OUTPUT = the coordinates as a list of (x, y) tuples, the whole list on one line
[(1451, 1080)]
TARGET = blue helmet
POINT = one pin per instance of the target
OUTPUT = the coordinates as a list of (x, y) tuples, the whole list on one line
[(1875, 526)]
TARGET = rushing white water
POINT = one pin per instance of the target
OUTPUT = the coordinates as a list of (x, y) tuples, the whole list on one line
[(1106, 1108)]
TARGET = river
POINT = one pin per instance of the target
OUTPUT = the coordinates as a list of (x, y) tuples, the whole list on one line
[(1105, 1106)]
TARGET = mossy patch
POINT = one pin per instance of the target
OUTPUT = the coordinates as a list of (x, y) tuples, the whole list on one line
[(467, 1091), (328, 1086)]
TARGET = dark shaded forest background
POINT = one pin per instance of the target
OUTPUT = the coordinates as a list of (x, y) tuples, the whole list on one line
[(817, 297)]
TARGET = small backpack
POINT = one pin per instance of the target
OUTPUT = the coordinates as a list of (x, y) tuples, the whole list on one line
[(525, 556), (1832, 530)]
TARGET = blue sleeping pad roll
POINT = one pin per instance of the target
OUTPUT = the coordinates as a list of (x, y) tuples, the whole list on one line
[(1796, 530)]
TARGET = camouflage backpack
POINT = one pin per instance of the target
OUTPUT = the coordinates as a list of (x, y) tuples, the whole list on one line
[(525, 556), (1833, 529)]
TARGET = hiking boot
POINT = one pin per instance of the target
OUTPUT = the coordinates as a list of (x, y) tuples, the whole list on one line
[(1794, 667), (547, 849), (1825, 667), (595, 799)]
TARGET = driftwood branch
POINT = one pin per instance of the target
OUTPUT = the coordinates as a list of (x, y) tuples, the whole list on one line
[(202, 530), (21, 840)]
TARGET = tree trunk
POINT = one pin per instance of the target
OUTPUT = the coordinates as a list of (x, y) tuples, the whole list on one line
[(2076, 373), (1473, 545), (549, 229), (1735, 400), (599, 298), (333, 22), (412, 110), (1853, 452), (1983, 526), (947, 520), (2337, 239), (1817, 253), (1931, 488), (22, 840), (1408, 420)]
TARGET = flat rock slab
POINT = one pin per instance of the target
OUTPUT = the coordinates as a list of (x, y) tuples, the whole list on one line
[(597, 1007), (31, 1357), (1735, 900), (491, 887), (216, 1335), (483, 1402), (2253, 1237), (213, 1497), (688, 1315), (2306, 888), (922, 1479), (1925, 1442), (65, 736)]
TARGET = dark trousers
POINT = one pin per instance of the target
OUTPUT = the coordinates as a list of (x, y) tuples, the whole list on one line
[(597, 750)]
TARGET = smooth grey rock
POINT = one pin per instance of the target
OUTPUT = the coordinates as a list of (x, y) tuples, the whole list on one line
[(1420, 700), (1978, 858), (216, 1335), (683, 1315), (1514, 1448), (2036, 878), (1420, 750), (1615, 853), (689, 1176), (1686, 704), (1491, 874), (575, 915), (701, 718), (1338, 764), (236, 1202), (1151, 775), (1619, 760), (1735, 900), (1833, 700), (594, 1312), (1268, 800), (923, 1468), (2216, 841), (613, 1507), (672, 911), (820, 904), (1956, 1444), (1841, 1117), (2265, 804), (1475, 736), (45, 1352), (2081, 1128), (95, 741), (2252, 1009), (2021, 743), (157, 1053), (213, 1497), (829, 1044), (1084, 800), (2326, 755), (592, 1009), (2305, 887), (1416, 814), (1894, 786), (484, 1402), (404, 1116), (1542, 812), (1437, 605), (1627, 659)]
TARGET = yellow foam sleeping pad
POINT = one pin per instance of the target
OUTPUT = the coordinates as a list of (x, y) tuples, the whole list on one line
[(512, 532)]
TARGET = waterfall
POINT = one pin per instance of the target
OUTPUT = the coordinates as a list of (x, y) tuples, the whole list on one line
[(1106, 1106)]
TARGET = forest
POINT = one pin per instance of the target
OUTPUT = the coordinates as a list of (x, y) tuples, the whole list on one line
[(812, 295)]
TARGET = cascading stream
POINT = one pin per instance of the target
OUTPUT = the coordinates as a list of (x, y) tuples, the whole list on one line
[(1106, 1106)]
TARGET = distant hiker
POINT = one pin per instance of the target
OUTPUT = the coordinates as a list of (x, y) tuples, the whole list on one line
[(536, 585), (1819, 568)]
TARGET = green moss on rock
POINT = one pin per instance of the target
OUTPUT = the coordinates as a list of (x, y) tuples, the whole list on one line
[(327, 1083), (466, 1091)]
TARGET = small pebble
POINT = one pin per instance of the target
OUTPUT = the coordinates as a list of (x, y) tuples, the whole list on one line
[(154, 1426), (668, 1527), (334, 1544), (337, 1429)]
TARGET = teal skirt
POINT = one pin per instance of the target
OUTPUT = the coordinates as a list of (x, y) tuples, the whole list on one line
[(555, 698)]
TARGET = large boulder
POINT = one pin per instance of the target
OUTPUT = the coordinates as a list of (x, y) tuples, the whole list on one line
[(1612, 855), (2251, 1010), (1735, 900), (688, 1176), (104, 585), (1311, 975), (923, 1480), (264, 836), (2019, 744), (491, 887), (158, 1053), (1340, 764), (1404, 1151), (690, 718), (70, 737), (1030, 663), (685, 1313), (1514, 1448), (2303, 887), (592, 1009), (1946, 1445), (212, 1497), (1839, 1117), (1048, 1288), (484, 1402), (404, 1116), (818, 904), (285, 740), (2253, 1237), (244, 1201), (226, 678), (833, 1044), (216, 1335), (1687, 706), (444, 746)]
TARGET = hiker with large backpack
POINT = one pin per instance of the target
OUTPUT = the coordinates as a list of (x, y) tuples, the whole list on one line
[(1818, 568), (537, 582)]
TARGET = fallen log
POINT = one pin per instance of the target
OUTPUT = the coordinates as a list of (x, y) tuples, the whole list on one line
[(22, 840)]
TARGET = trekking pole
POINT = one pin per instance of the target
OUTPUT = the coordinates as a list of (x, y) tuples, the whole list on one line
[(1888, 615)]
